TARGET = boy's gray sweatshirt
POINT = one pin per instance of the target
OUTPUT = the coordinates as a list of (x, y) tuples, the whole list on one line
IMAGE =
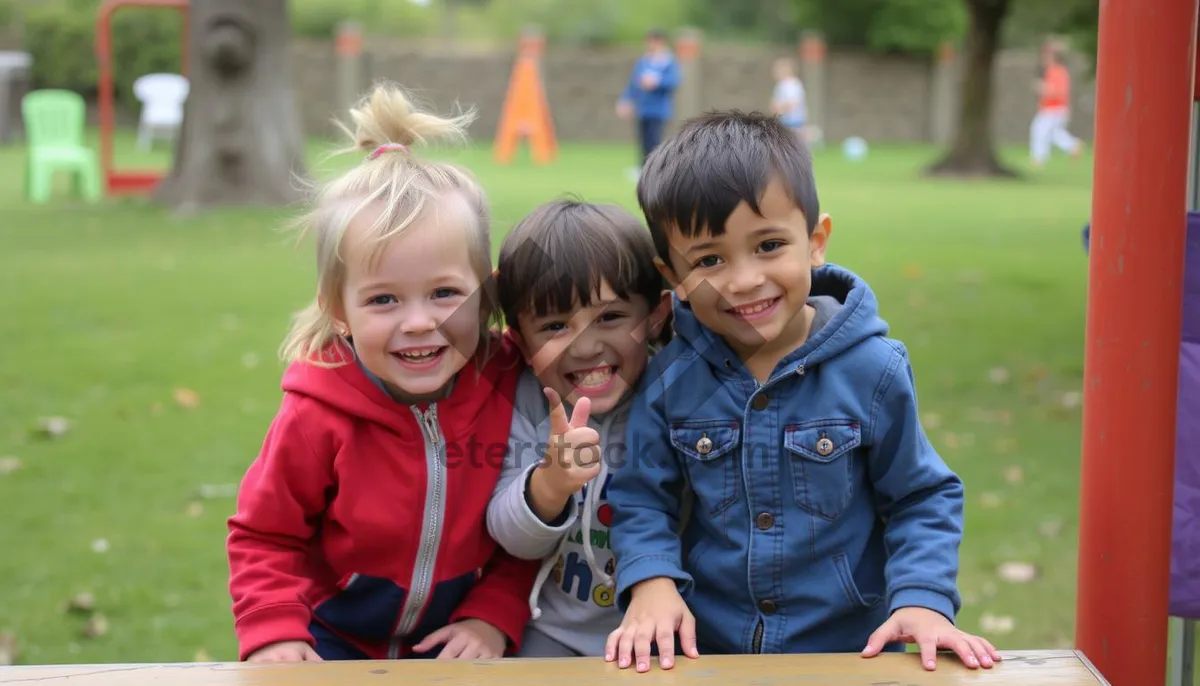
[(572, 599)]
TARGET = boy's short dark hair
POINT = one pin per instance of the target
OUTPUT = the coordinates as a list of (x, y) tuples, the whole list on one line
[(656, 34), (693, 181), (560, 253)]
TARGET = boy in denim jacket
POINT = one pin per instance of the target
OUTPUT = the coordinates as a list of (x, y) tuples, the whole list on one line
[(824, 521)]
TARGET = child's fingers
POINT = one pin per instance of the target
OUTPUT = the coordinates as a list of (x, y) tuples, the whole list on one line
[(879, 639), (579, 413), (559, 424), (625, 647), (928, 645), (311, 655), (456, 646), (666, 645), (433, 639), (687, 635)]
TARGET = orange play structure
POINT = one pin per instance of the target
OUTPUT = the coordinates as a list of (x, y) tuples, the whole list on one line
[(526, 112)]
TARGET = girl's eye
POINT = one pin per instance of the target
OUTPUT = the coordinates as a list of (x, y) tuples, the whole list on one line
[(553, 326), (707, 261), (771, 245), (445, 293), (382, 300), (612, 316)]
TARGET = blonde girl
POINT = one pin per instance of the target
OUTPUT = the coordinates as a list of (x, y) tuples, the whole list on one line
[(360, 528)]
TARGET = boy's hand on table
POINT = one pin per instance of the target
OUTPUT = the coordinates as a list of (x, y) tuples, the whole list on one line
[(655, 614), (470, 639), (931, 631)]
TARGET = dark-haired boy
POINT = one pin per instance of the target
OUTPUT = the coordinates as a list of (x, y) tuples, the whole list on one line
[(824, 521)]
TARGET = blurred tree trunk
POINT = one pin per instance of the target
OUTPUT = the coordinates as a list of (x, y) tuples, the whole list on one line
[(241, 142), (973, 152)]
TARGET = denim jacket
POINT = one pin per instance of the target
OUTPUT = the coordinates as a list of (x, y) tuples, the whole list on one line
[(820, 505)]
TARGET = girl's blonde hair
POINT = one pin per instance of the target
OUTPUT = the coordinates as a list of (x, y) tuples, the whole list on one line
[(401, 187)]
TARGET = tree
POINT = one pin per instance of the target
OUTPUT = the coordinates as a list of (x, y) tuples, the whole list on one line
[(241, 142), (973, 152)]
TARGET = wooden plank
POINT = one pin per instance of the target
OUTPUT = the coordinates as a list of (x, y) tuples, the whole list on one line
[(1059, 667)]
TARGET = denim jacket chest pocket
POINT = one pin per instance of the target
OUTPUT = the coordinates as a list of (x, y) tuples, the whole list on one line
[(822, 460), (710, 457)]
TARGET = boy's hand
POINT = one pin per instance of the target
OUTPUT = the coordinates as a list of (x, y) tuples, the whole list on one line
[(470, 639), (285, 651), (656, 613), (931, 631), (572, 456)]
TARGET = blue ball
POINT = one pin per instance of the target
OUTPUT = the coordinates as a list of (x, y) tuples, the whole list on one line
[(854, 149)]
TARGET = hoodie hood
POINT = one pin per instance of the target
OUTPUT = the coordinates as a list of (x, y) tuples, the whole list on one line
[(855, 321), (350, 390)]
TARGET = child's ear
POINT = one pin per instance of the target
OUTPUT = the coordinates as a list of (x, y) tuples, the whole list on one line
[(819, 240), (520, 343), (670, 277), (659, 315), (336, 313)]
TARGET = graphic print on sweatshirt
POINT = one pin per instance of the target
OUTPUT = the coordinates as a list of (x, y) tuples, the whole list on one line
[(571, 572)]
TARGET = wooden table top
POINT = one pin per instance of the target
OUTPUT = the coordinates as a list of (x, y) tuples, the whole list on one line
[(1059, 667)]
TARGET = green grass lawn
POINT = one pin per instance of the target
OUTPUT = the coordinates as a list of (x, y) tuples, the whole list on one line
[(114, 314)]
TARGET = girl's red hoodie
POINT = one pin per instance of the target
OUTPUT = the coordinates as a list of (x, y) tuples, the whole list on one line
[(368, 516)]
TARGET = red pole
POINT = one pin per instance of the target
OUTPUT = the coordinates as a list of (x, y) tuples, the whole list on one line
[(1143, 117), (105, 88)]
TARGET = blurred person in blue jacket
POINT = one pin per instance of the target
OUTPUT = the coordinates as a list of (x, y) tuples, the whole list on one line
[(649, 96)]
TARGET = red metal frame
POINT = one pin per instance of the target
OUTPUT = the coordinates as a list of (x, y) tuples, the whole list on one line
[(124, 182), (1145, 85)]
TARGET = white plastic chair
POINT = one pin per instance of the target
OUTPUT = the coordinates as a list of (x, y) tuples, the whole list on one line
[(162, 97)]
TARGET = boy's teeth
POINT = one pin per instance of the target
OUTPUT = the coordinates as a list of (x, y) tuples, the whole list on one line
[(596, 377), (754, 308)]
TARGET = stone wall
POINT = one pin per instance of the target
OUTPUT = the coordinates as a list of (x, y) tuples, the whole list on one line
[(876, 97)]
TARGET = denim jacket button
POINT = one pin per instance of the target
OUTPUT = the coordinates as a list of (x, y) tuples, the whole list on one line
[(824, 446), (767, 606), (704, 445), (760, 401), (765, 520)]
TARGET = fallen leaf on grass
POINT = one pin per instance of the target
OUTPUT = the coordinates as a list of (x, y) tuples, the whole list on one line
[(990, 501), (202, 656), (1005, 445), (1014, 474), (1017, 572), (187, 398), (53, 427), (100, 545), (998, 375), (1050, 528), (9, 651), (195, 509), (249, 360), (912, 271), (8, 465), (996, 624), (931, 420), (1037, 374), (215, 491), (1071, 399), (81, 602), (96, 627)]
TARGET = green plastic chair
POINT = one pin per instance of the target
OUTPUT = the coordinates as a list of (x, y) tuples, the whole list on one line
[(54, 124)]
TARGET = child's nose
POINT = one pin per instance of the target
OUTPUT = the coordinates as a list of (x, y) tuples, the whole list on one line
[(418, 320)]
